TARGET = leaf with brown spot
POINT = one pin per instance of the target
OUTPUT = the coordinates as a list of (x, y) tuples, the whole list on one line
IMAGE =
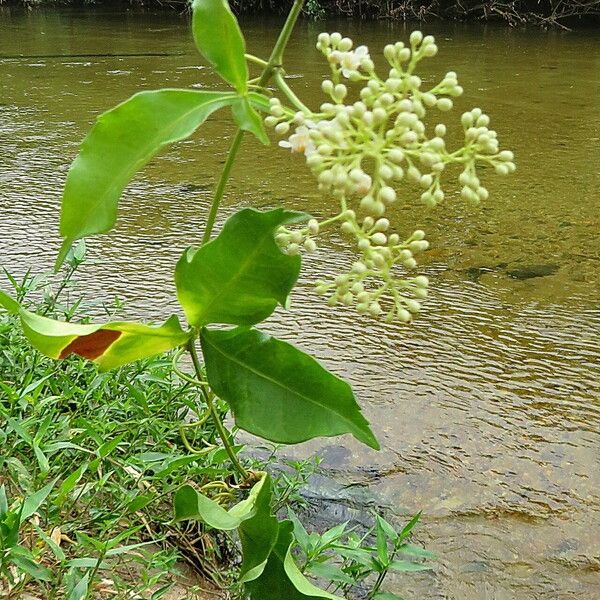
[(91, 346), (109, 345)]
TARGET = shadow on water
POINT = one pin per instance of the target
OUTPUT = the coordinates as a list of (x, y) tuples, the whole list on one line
[(488, 407)]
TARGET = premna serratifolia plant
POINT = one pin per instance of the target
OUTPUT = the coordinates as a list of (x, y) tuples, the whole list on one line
[(372, 135)]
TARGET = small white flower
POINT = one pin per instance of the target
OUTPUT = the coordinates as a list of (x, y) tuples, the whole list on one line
[(350, 61), (300, 142)]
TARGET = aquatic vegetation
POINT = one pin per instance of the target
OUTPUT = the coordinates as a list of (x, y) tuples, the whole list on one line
[(360, 153)]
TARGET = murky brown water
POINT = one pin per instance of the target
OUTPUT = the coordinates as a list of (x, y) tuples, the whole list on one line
[(489, 406)]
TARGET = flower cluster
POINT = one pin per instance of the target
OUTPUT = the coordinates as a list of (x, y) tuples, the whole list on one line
[(361, 152)]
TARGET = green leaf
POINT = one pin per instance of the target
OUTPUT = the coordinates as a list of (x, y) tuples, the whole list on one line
[(111, 345), (386, 596), (240, 276), (80, 590), (330, 572), (23, 559), (218, 37), (407, 566), (277, 392), (281, 578), (408, 527), (412, 550), (35, 500), (191, 504), (249, 120), (122, 141), (258, 535)]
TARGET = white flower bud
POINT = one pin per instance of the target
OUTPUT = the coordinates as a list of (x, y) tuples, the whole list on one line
[(414, 174), (324, 39), (282, 128), (404, 315), (363, 308), (271, 121), (394, 239), (398, 173), (429, 99), (327, 86), (359, 267), (386, 172), (410, 263), (467, 120), (445, 104), (419, 234), (379, 239), (321, 290), (420, 293), (313, 226), (382, 225), (430, 50), (335, 38), (506, 155), (347, 227), (404, 55), (412, 305), (310, 245), (501, 169), (396, 155), (389, 52), (418, 246), (387, 194), (293, 249), (421, 281), (375, 309), (340, 91), (364, 244), (345, 44), (393, 85), (426, 181), (416, 37), (379, 115)]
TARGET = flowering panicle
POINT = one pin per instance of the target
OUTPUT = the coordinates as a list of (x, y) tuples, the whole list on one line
[(361, 152)]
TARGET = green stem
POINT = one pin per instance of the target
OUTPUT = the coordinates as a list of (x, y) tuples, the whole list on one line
[(273, 63), (215, 417), (289, 93), (220, 190), (276, 57)]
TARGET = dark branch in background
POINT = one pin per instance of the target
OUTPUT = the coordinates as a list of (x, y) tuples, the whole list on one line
[(515, 12)]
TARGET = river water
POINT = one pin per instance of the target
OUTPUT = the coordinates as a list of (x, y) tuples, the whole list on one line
[(488, 407)]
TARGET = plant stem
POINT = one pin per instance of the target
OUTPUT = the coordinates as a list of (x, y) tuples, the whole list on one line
[(220, 190), (214, 415), (287, 90), (273, 63)]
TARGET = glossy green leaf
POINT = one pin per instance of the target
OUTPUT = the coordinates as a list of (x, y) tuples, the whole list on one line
[(111, 345), (218, 37), (277, 392), (258, 536), (386, 596), (281, 578), (192, 505), (241, 276), (121, 142), (249, 120)]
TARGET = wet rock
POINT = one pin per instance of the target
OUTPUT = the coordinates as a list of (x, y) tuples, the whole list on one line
[(531, 271)]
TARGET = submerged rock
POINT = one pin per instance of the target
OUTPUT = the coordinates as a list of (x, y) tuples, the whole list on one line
[(531, 271)]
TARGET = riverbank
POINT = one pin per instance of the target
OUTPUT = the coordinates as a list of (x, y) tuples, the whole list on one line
[(545, 13)]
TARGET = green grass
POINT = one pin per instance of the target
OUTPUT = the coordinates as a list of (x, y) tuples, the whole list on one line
[(112, 448)]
